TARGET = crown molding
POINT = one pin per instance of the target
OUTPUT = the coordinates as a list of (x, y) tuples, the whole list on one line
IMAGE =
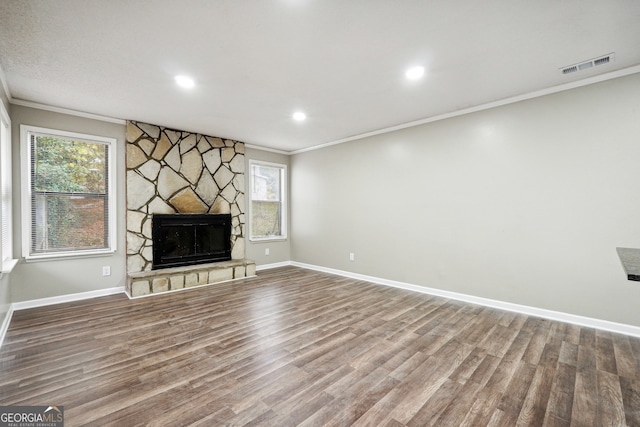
[(67, 111), (272, 150), (506, 101)]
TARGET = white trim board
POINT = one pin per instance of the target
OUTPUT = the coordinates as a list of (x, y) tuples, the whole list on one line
[(559, 316), (274, 265), (41, 302)]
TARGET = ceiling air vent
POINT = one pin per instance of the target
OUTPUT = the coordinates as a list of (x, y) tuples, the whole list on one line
[(602, 60)]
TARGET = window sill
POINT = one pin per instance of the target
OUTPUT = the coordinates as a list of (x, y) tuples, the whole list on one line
[(69, 255), (267, 239), (8, 266)]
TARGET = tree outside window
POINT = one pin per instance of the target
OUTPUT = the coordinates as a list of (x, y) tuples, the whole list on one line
[(69, 194)]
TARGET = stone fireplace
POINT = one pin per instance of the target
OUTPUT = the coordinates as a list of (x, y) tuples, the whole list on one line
[(176, 172)]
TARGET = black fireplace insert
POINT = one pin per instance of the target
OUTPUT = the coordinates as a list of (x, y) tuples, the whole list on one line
[(188, 239)]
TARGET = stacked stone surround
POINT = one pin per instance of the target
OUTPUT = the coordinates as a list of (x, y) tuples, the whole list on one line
[(171, 171)]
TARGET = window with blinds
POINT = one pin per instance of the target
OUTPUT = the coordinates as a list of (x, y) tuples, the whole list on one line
[(70, 193)]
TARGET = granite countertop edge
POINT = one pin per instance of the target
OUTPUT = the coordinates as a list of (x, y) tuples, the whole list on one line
[(630, 259)]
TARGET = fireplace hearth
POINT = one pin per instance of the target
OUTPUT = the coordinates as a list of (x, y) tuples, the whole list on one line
[(190, 239)]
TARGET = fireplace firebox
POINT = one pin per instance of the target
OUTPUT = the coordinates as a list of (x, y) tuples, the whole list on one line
[(188, 239)]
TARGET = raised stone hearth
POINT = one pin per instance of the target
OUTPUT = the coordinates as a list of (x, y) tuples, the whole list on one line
[(171, 279)]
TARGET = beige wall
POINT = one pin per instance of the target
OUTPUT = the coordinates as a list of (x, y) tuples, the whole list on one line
[(524, 203), (41, 279), (279, 251)]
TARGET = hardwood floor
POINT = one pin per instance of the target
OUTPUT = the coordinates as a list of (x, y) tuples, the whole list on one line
[(297, 347)]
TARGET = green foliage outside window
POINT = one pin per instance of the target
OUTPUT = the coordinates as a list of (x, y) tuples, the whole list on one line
[(69, 194), (63, 165)]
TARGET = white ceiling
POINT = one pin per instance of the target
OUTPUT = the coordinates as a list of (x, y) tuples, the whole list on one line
[(342, 62)]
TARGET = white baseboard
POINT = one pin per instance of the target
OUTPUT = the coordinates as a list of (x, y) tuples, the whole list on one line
[(605, 325), (523, 309), (41, 302), (274, 265)]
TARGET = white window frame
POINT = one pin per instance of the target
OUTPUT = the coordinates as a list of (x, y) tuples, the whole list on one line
[(7, 262), (283, 201), (25, 152)]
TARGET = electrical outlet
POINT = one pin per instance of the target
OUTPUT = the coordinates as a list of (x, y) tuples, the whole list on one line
[(266, 251), (106, 270), (352, 256)]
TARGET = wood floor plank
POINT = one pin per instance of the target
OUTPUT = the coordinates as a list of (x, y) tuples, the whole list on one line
[(568, 353), (535, 403), (436, 404), (498, 341), (630, 390), (626, 360), (508, 410), (456, 411), (605, 354), (561, 397), (298, 347), (585, 397), (469, 366), (311, 393), (410, 394), (483, 408), (610, 409)]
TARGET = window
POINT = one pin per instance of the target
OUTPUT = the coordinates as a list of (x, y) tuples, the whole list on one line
[(267, 210), (68, 197), (6, 230)]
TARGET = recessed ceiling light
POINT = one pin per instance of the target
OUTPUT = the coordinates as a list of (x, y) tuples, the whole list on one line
[(299, 116), (184, 81), (414, 73)]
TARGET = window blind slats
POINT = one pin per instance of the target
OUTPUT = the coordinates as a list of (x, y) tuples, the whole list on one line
[(69, 189)]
